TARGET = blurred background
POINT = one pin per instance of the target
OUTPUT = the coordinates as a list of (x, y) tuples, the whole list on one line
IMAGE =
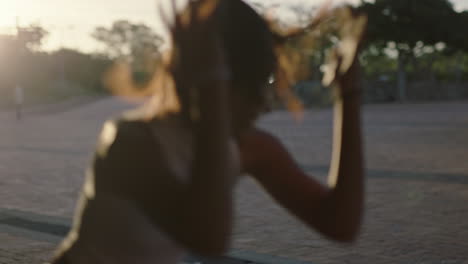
[(55, 50), (415, 123)]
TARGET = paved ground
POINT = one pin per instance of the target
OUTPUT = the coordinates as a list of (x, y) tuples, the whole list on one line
[(417, 185)]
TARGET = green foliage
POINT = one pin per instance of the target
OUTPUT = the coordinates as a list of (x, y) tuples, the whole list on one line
[(407, 40), (67, 73), (83, 69), (31, 37), (458, 39), (127, 40), (407, 22), (413, 29), (377, 64), (137, 44)]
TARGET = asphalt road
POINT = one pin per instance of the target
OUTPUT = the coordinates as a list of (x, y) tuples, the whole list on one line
[(417, 187)]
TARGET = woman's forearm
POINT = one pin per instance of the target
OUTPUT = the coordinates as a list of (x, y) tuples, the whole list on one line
[(347, 173), (208, 203), (211, 137)]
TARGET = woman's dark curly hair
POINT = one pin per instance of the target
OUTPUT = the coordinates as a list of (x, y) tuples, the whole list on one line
[(249, 50), (254, 52), (248, 42)]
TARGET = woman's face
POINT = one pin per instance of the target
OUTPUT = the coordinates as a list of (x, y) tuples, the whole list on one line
[(246, 108)]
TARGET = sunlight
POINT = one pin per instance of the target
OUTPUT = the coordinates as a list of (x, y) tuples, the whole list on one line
[(70, 22), (22, 12), (8, 13)]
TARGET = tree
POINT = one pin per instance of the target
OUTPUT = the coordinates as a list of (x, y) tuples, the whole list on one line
[(137, 44), (127, 40), (16, 49), (31, 37), (410, 28), (87, 70)]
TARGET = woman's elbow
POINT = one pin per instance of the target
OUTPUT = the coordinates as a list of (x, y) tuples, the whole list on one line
[(212, 241), (344, 231), (339, 229), (348, 235), (210, 248)]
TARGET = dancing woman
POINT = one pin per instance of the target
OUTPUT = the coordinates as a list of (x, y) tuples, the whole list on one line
[(161, 182)]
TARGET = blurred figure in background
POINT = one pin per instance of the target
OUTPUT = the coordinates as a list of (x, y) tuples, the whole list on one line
[(19, 101)]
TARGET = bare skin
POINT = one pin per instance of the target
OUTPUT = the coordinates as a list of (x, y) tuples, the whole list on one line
[(334, 210)]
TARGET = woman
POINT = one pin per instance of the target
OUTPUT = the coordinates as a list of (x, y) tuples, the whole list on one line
[(161, 182)]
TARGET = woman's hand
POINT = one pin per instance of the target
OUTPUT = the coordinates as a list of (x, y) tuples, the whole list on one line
[(197, 54), (342, 68)]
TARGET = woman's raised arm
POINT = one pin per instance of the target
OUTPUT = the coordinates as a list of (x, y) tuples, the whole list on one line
[(334, 210)]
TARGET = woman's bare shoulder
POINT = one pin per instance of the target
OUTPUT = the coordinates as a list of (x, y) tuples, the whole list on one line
[(132, 163), (258, 148), (125, 133), (261, 141)]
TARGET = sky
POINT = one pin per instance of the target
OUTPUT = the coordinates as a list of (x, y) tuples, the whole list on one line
[(70, 22)]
